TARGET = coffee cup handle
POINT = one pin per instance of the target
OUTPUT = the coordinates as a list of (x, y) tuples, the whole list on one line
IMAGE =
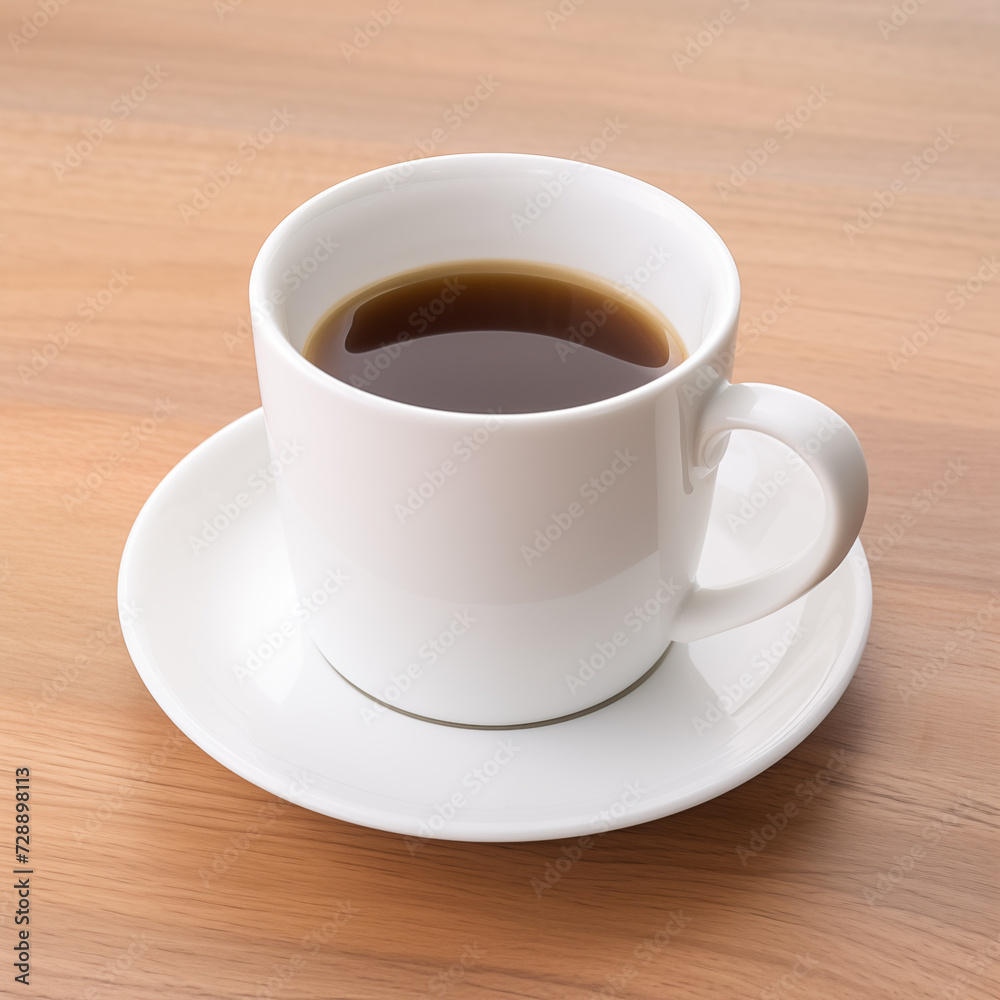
[(830, 449)]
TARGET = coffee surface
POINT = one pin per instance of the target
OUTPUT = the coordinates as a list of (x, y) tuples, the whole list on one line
[(494, 336)]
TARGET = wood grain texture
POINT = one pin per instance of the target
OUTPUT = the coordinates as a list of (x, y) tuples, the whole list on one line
[(98, 744)]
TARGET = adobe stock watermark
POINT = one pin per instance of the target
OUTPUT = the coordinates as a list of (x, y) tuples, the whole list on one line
[(238, 844), (602, 822), (695, 45), (115, 967), (786, 127), (428, 655), (32, 24), (922, 676), (958, 298), (749, 333), (223, 8), (806, 792), (906, 863), (534, 205), (292, 278), (282, 973), (751, 330), (976, 964), (118, 968), (826, 430), (420, 320), (898, 17), (129, 442), (69, 673), (453, 118), (470, 956), (366, 32), (590, 152), (627, 286), (88, 310), (737, 691), (551, 190), (921, 502), (234, 339), (273, 640), (229, 511), (471, 784), (592, 490), (562, 12), (427, 315), (217, 180), (633, 281), (121, 107), (787, 984), (116, 800), (464, 450), (642, 956), (604, 651), (913, 169)]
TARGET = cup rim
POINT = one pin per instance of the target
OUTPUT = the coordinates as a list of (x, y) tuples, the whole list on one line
[(264, 325)]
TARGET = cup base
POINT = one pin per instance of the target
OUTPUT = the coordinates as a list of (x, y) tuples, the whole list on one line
[(521, 725)]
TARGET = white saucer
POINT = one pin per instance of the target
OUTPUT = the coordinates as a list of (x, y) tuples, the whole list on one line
[(294, 727)]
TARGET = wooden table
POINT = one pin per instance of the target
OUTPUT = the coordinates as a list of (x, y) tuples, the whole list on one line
[(806, 134)]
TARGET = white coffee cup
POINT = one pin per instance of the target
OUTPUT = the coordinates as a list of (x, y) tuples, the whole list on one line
[(469, 568)]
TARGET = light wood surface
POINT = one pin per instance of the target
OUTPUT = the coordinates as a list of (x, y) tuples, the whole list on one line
[(855, 898)]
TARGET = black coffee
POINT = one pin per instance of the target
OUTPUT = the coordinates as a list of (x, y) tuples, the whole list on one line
[(494, 336)]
